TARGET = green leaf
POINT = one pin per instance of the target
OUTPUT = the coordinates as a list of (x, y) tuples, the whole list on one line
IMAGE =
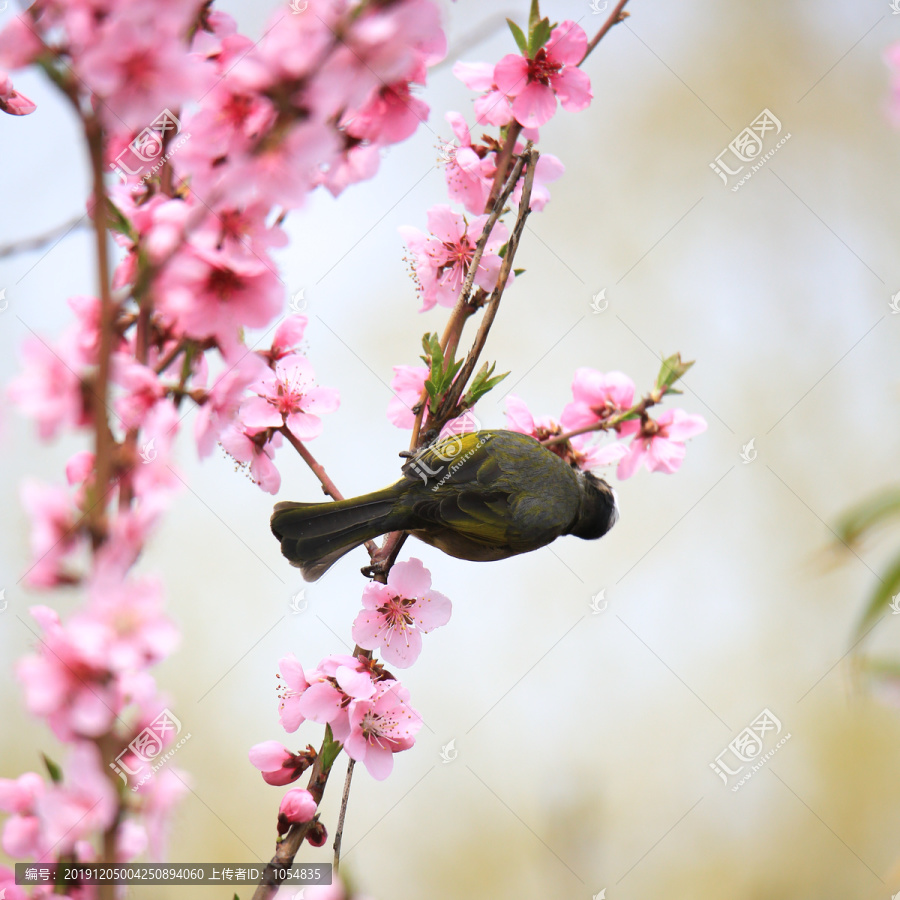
[(330, 750), (518, 272), (117, 221), (441, 371), (882, 596), (868, 514), (540, 34), (518, 36), (483, 382), (672, 369), (53, 769), (534, 16)]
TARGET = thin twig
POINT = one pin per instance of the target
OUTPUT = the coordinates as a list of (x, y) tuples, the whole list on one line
[(339, 833), (639, 409), (615, 17), (462, 308), (328, 485), (451, 398), (41, 240)]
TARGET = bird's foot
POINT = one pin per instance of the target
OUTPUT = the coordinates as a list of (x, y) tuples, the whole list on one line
[(375, 568)]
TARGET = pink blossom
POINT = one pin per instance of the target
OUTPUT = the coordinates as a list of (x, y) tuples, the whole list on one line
[(892, 58), (381, 726), (143, 390), (243, 229), (214, 293), (22, 837), (389, 116), (278, 765), (159, 796), (442, 260), (131, 840), (11, 101), (83, 804), (658, 444), (155, 479), (534, 84), (257, 452), (135, 61), (597, 397), (54, 531), (280, 173), (407, 385), (396, 615), (288, 397), (137, 632), (578, 450), (322, 694), (297, 806), (382, 46), (19, 45), (470, 170), (287, 336), (49, 388), (79, 467), (294, 683), (494, 107), (84, 338), (548, 168), (127, 533), (67, 681), (358, 162), (224, 398), (12, 891)]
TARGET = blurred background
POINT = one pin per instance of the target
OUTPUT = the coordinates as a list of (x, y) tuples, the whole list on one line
[(584, 739)]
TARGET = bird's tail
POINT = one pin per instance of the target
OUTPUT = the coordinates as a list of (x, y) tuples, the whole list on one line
[(316, 535)]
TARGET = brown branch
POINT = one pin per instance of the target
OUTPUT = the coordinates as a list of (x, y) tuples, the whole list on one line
[(615, 17), (41, 240), (451, 398), (104, 439), (639, 409), (463, 309), (328, 485), (339, 832), (503, 160)]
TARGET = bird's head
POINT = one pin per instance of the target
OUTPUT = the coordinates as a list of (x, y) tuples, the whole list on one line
[(599, 511)]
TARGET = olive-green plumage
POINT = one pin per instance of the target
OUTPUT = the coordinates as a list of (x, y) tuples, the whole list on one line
[(480, 496)]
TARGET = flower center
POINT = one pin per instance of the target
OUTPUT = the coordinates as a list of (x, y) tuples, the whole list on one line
[(541, 68), (224, 283)]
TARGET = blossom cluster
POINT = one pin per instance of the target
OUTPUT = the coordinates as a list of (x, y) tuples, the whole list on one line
[(602, 402), (214, 137), (366, 708), (519, 92)]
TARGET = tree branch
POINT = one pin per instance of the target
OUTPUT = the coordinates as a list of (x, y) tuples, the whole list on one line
[(41, 240), (615, 17), (451, 399), (463, 309), (339, 832)]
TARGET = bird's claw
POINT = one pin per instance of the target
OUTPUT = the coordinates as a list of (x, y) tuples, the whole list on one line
[(375, 568)]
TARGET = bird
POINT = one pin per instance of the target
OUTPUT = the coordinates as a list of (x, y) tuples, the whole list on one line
[(484, 495)]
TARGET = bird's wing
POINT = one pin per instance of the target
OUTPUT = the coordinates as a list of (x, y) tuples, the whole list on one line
[(461, 489)]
